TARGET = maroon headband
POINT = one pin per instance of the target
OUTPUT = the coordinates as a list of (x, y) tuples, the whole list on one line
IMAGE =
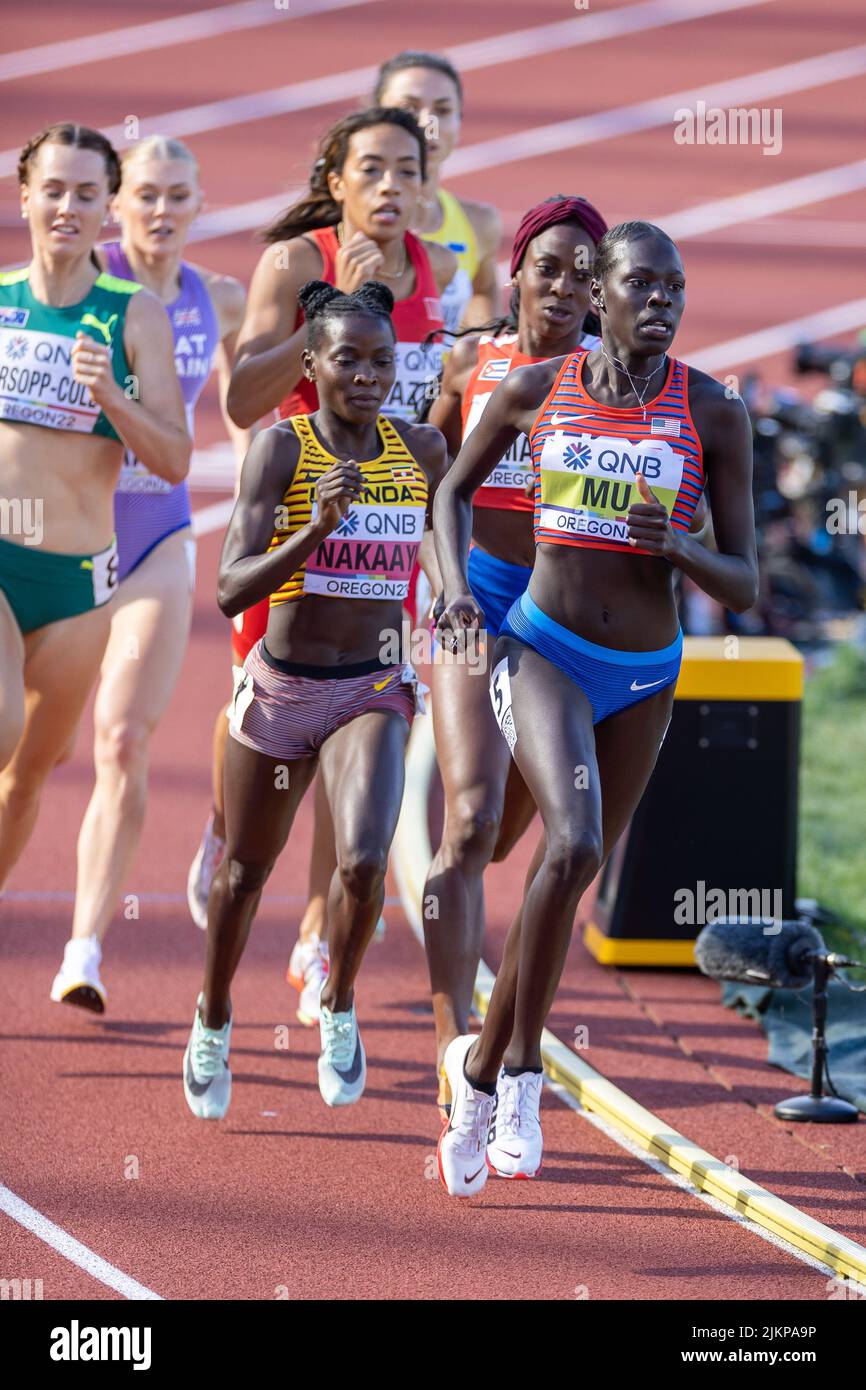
[(545, 215)]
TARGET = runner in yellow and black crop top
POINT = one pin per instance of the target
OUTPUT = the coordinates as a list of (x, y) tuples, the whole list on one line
[(86, 367), (585, 665), (429, 86), (349, 490)]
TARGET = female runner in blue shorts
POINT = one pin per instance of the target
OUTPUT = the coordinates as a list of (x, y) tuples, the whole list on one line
[(623, 438)]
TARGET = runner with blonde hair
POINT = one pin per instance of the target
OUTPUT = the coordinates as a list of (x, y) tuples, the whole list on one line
[(159, 198)]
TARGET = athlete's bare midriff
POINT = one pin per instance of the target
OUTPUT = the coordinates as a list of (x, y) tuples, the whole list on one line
[(620, 601), (320, 631), (67, 478), (505, 534)]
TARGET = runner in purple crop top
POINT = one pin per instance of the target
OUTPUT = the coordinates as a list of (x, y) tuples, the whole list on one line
[(159, 197), (147, 508)]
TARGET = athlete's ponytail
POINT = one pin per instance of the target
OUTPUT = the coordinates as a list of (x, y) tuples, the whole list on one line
[(317, 208)]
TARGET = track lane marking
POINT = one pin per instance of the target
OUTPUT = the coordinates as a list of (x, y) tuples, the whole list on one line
[(161, 33), (840, 65), (72, 1249), (478, 53), (761, 202), (840, 318)]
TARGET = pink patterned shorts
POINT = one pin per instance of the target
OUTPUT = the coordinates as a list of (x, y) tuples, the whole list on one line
[(287, 711)]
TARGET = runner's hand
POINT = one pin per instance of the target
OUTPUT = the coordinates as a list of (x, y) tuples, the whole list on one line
[(92, 366), (649, 525), (456, 620), (359, 259), (336, 490)]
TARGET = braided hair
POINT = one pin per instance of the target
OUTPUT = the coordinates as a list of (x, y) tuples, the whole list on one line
[(321, 301), (81, 137), (317, 208)]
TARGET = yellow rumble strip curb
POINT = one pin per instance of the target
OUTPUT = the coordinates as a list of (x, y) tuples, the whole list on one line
[(411, 855)]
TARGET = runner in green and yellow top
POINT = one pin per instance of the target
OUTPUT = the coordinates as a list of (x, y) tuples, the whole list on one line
[(429, 86), (86, 367)]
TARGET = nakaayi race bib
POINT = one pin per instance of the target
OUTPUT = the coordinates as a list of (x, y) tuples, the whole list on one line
[(370, 554)]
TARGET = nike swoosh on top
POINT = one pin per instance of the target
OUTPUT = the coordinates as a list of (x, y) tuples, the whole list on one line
[(556, 419), (634, 685), (380, 685)]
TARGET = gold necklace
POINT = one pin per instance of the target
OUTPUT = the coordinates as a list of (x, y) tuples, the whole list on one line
[(385, 274)]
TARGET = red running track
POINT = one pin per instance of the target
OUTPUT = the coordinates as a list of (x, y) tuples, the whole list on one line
[(285, 1194)]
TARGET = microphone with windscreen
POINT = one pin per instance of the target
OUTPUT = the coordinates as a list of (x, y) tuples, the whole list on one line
[(731, 948), (790, 955)]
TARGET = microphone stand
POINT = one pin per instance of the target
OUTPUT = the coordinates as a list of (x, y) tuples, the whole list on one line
[(818, 1107)]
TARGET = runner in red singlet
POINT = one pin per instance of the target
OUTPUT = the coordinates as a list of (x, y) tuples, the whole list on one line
[(352, 226)]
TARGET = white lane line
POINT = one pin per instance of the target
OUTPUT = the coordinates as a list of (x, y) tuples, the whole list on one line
[(241, 217), (761, 202), (838, 66), (798, 232), (827, 322), (677, 1179), (72, 1249), (162, 33), (211, 518), (687, 222), (480, 53)]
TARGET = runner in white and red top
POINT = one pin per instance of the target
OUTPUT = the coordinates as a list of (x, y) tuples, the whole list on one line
[(350, 227), (550, 267)]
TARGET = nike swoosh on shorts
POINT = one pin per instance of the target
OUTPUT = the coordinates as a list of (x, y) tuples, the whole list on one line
[(649, 685), (380, 685)]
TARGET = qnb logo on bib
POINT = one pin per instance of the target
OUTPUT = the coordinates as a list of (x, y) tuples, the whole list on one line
[(418, 367), (588, 483), (369, 554), (37, 385)]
